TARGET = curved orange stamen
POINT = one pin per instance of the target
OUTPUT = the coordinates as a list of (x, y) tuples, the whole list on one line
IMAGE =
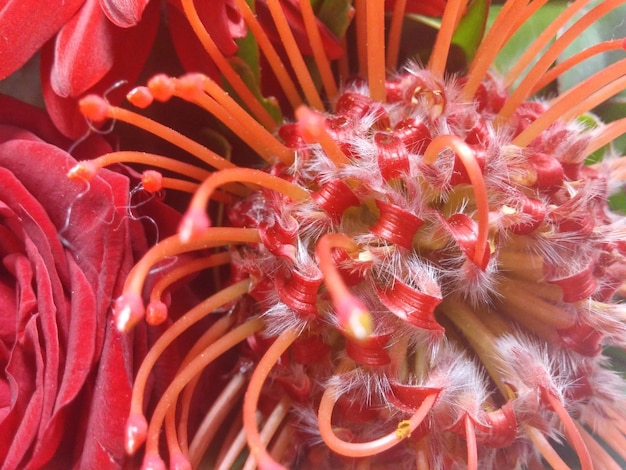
[(182, 324), (475, 175), (313, 128), (170, 135), (286, 83), (570, 62), (315, 39), (366, 449), (216, 330), (294, 54), (571, 430), (251, 399), (352, 315), (548, 57), (128, 304), (215, 350), (225, 68), (395, 34), (441, 49)]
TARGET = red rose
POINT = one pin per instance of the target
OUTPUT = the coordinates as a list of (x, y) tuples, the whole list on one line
[(65, 250)]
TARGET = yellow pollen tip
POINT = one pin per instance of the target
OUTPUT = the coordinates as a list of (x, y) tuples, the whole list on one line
[(403, 431), (506, 210), (360, 324)]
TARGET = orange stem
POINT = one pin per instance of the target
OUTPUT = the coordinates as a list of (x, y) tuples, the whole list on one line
[(395, 34), (441, 49), (273, 59), (294, 54), (187, 269), (361, 36), (605, 134), (182, 324), (543, 40), (472, 450), (571, 430), (270, 147), (577, 100), (149, 159), (270, 427), (208, 337), (315, 40), (548, 57), (219, 410), (170, 135), (545, 449), (247, 175), (314, 130), (171, 246), (601, 457), (375, 21), (491, 45), (215, 350), (570, 62), (250, 403), (366, 449), (224, 66)]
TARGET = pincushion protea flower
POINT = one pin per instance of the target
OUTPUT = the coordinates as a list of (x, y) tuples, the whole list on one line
[(424, 274)]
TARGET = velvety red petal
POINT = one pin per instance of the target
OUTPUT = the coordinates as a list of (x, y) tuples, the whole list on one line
[(421, 7), (61, 309), (19, 43), (25, 373), (83, 51), (123, 13), (104, 443), (122, 55)]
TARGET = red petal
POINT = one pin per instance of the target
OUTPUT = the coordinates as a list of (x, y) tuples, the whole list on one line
[(82, 51), (464, 230), (420, 7), (19, 43), (411, 305), (123, 13), (125, 53)]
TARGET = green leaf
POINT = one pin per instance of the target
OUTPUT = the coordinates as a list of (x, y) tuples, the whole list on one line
[(248, 52), (526, 34), (335, 14), (471, 29), (246, 64), (250, 78)]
